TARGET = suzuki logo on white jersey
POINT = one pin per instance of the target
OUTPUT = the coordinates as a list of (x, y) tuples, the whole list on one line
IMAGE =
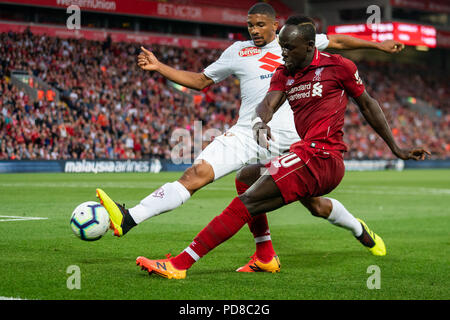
[(317, 89)]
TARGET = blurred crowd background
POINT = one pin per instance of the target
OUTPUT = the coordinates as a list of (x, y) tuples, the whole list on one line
[(111, 109)]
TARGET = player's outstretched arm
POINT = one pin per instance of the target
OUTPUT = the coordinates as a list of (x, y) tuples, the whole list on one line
[(264, 113), (345, 42), (194, 80), (375, 117)]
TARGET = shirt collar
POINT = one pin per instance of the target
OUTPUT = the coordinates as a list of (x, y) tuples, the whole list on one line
[(315, 61), (273, 43)]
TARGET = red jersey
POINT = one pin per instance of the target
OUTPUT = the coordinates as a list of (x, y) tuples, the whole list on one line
[(318, 96)]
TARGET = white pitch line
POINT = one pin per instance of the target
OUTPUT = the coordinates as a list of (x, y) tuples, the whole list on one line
[(20, 218)]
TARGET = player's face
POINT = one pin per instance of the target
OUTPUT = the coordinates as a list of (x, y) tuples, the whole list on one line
[(294, 48), (261, 28)]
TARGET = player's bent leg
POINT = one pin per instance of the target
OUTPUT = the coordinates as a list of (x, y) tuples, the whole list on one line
[(172, 195), (338, 215), (166, 198), (220, 229), (333, 211), (258, 225), (215, 161), (262, 197)]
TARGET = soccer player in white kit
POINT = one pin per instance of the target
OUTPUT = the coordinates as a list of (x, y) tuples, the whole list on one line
[(253, 62)]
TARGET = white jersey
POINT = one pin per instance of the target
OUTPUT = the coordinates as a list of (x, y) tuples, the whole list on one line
[(254, 67)]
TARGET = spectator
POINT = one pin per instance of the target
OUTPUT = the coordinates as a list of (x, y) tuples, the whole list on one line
[(110, 109)]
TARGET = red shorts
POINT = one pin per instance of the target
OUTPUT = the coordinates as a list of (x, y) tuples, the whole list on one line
[(306, 171)]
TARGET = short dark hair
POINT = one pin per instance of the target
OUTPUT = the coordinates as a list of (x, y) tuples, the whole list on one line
[(263, 8), (305, 24)]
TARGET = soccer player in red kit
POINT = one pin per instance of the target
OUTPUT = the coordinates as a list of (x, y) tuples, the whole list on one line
[(317, 86)]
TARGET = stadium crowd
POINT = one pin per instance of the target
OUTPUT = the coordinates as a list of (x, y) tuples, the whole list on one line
[(110, 109)]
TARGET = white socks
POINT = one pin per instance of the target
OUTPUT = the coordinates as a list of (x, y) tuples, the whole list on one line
[(168, 197), (172, 195), (339, 216)]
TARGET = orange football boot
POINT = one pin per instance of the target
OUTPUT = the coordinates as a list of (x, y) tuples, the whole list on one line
[(162, 267), (256, 265)]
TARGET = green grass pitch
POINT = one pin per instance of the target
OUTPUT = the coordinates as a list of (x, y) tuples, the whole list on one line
[(410, 210)]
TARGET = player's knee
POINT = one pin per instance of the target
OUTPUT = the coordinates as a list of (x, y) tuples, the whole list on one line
[(319, 208), (249, 174)]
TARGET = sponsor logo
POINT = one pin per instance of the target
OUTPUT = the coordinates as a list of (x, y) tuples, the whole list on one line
[(266, 76), (304, 91), (299, 96), (270, 63), (161, 265), (172, 10), (249, 51), (301, 87), (112, 166), (89, 4), (317, 89), (255, 268)]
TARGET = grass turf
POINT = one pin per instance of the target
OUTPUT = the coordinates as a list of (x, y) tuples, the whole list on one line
[(409, 209)]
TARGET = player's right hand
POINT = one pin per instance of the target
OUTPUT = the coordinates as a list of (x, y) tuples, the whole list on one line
[(412, 154), (147, 60), (262, 134), (391, 46)]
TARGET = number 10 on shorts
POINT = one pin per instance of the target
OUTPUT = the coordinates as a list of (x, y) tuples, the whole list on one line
[(287, 160)]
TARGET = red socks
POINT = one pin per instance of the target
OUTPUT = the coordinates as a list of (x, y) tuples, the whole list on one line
[(220, 229), (223, 227), (259, 227)]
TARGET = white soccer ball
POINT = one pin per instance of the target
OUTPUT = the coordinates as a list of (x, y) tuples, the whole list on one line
[(89, 221)]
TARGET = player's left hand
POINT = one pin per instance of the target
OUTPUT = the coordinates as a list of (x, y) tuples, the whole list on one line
[(262, 134), (391, 46), (414, 154)]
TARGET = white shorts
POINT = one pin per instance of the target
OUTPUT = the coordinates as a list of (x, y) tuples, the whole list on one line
[(237, 148)]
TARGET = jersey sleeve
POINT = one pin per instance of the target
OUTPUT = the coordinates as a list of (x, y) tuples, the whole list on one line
[(278, 81), (349, 78), (322, 41), (222, 67)]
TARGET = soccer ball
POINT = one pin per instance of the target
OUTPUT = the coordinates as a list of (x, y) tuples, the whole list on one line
[(89, 221)]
